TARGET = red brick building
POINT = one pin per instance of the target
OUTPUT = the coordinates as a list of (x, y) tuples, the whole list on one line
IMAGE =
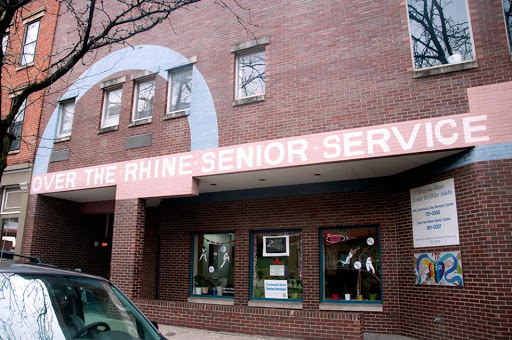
[(26, 49), (341, 171)]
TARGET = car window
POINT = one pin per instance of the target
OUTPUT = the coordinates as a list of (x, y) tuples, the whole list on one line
[(59, 307)]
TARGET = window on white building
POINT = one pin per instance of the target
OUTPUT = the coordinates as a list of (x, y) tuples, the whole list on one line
[(29, 43), (250, 79), (180, 89), (111, 107), (440, 32), (143, 101), (66, 113)]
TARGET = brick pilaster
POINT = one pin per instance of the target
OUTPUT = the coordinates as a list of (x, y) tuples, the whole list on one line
[(128, 245)]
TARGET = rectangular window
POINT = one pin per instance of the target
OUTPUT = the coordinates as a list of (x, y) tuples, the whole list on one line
[(111, 107), (5, 39), (9, 232), (250, 80), (276, 271), (143, 102), (350, 265), (213, 269), (29, 43), (11, 200), (180, 89), (440, 32), (507, 12), (17, 127), (66, 113)]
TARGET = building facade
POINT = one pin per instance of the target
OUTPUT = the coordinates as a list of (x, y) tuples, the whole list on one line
[(342, 169), (26, 51)]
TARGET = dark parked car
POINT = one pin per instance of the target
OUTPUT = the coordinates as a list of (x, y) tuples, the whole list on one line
[(38, 301)]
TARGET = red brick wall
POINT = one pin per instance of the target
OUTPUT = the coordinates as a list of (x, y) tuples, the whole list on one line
[(57, 233), (330, 66), (14, 76)]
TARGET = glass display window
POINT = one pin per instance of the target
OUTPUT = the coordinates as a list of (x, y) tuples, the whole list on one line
[(213, 265), (276, 259), (351, 264)]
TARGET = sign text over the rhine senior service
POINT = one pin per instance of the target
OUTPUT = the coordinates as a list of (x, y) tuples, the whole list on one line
[(391, 139)]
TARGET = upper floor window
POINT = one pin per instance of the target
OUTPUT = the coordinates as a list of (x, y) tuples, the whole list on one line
[(250, 80), (180, 89), (66, 113), (17, 127), (143, 101), (440, 32), (11, 200), (507, 11), (276, 265), (111, 107), (29, 43), (5, 39)]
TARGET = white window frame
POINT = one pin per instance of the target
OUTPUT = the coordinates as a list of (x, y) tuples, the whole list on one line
[(20, 113), (169, 92), (24, 61), (237, 70), (441, 65), (138, 82), (62, 104), (105, 121), (5, 199), (508, 33)]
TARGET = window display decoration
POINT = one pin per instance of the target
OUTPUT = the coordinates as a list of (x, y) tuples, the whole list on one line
[(212, 265), (274, 275), (438, 269), (351, 264)]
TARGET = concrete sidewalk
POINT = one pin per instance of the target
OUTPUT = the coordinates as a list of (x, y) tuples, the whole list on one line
[(182, 333)]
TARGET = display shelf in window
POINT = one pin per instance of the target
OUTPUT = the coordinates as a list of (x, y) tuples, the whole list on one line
[(351, 265), (276, 265)]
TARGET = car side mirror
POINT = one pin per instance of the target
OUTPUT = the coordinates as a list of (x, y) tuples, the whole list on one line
[(155, 324)]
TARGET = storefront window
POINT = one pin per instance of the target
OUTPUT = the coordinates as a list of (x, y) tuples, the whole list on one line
[(213, 265), (351, 265), (276, 265)]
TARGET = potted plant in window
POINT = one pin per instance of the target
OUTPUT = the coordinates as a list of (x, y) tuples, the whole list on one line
[(218, 286), (198, 283), (207, 284)]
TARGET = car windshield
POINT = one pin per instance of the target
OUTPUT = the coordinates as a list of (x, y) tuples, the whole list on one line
[(67, 307)]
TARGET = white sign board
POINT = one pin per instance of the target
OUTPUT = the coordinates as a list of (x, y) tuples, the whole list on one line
[(276, 289), (276, 270), (434, 215)]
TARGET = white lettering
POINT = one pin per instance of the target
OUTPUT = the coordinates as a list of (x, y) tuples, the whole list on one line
[(280, 156), (446, 140), (300, 151), (130, 172), (412, 138), (70, 179), (428, 130), (243, 156), (208, 159), (383, 141), (59, 181), (348, 143), (469, 130), (110, 174), (145, 170), (335, 144), (48, 184), (168, 168), (226, 159), (36, 184), (88, 172), (185, 165)]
